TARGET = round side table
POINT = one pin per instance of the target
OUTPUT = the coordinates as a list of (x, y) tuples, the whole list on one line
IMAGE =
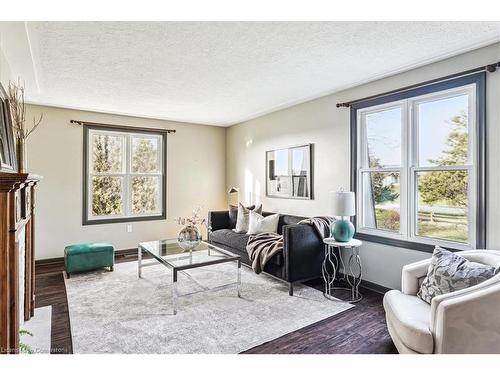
[(352, 270)]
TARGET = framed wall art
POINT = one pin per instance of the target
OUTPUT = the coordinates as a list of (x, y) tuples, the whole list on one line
[(289, 172), (7, 146)]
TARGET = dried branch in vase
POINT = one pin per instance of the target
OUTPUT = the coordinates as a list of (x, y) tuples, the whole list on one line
[(192, 220), (18, 111)]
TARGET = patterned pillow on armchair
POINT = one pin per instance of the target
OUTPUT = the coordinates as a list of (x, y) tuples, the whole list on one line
[(449, 272)]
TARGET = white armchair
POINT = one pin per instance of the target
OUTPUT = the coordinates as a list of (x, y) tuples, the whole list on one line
[(465, 321)]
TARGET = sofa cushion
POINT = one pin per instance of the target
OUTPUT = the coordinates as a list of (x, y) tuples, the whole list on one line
[(449, 272), (409, 317), (243, 218), (233, 215), (230, 238), (285, 220), (238, 241), (260, 224)]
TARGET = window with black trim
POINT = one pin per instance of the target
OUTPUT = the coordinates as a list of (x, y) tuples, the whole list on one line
[(418, 166), (124, 176)]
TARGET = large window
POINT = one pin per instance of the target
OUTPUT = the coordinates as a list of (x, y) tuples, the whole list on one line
[(419, 159), (124, 175)]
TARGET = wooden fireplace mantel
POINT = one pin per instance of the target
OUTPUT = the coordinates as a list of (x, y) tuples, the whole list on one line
[(12, 181), (17, 259)]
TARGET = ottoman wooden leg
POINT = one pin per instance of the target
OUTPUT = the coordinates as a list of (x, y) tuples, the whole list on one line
[(111, 269)]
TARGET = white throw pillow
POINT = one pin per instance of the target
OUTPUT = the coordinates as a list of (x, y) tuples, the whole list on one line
[(261, 224), (242, 220)]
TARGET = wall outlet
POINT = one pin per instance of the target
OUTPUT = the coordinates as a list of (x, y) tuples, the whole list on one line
[(129, 228)]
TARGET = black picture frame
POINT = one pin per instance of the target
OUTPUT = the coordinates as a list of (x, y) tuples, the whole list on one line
[(8, 160), (290, 180)]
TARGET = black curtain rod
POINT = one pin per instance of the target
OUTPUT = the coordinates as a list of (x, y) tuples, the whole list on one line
[(489, 68), (118, 127)]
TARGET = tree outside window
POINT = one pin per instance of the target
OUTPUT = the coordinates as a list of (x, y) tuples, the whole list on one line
[(417, 171), (125, 175)]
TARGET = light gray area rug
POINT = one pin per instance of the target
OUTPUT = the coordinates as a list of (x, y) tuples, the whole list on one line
[(115, 312)]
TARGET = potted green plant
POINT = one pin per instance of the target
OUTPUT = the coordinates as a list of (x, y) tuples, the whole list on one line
[(25, 348)]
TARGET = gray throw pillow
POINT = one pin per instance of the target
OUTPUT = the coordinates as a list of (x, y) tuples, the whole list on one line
[(449, 272), (233, 215), (243, 217)]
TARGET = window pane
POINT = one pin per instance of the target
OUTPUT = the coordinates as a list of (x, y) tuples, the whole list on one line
[(107, 195), (145, 155), (300, 161), (443, 131), (107, 153), (383, 138), (145, 192), (442, 205), (281, 163), (381, 205)]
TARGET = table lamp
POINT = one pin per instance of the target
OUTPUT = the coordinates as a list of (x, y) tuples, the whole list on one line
[(234, 192), (343, 204)]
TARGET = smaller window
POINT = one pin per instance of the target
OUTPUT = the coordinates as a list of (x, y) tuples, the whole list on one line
[(124, 175)]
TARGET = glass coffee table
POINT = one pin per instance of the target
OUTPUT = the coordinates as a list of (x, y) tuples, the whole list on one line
[(171, 255)]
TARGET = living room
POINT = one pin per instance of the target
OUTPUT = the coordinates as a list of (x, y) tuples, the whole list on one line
[(207, 187)]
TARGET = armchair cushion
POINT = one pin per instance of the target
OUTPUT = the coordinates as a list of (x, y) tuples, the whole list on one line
[(408, 318), (449, 272)]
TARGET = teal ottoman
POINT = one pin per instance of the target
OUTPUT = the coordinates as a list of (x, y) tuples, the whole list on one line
[(88, 256)]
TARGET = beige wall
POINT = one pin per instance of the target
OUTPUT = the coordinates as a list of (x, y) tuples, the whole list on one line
[(327, 127), (195, 177), (204, 161), (5, 72)]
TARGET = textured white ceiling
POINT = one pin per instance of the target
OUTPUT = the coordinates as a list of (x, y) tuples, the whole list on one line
[(221, 73)]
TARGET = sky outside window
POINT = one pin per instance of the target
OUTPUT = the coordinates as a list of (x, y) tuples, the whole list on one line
[(435, 126)]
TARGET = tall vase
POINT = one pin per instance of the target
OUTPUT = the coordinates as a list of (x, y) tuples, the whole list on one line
[(21, 155)]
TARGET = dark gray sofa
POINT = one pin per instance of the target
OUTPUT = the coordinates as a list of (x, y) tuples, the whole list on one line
[(302, 255)]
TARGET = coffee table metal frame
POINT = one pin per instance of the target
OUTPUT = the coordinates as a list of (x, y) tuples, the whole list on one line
[(219, 255)]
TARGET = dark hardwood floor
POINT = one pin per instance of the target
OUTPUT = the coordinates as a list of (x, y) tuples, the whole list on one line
[(51, 291), (360, 329)]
